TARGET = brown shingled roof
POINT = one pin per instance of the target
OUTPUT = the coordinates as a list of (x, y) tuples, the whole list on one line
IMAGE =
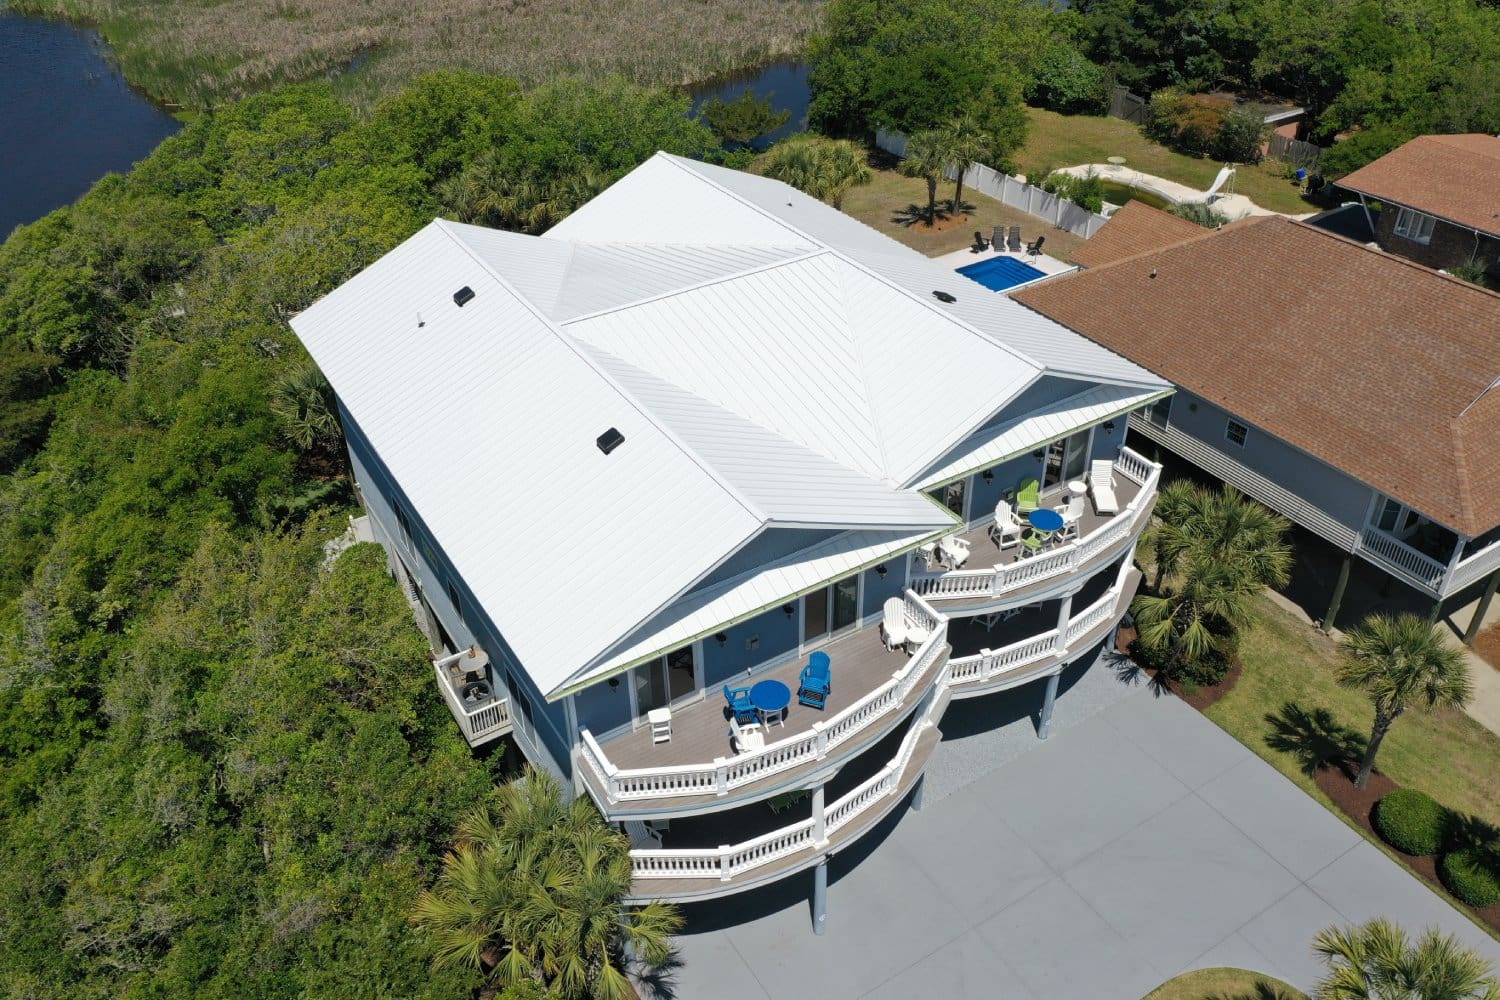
[(1377, 366), (1454, 177), (1134, 229)]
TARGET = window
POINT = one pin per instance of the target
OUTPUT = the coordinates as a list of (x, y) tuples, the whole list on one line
[(1159, 411), (458, 605), (403, 524), (1414, 225), (951, 496), (1235, 433)]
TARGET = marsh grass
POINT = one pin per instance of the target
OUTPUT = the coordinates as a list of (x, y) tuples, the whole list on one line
[(201, 54)]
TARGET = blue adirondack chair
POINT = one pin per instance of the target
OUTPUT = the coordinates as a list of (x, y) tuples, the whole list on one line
[(740, 704), (817, 681)]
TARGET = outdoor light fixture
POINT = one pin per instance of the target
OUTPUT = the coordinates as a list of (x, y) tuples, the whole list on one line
[(720, 638), (1038, 454), (988, 475), (881, 571), (1109, 425), (788, 610), (614, 682)]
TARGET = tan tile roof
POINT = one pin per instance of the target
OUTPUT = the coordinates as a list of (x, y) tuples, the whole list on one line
[(1454, 177), (1134, 229), (1375, 365)]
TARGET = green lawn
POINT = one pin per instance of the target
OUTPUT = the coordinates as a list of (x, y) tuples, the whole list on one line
[(883, 204), (1224, 984), (1069, 140), (1288, 708)]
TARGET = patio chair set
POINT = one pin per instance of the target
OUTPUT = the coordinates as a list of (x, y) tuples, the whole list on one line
[(898, 633), (1000, 242), (751, 709)]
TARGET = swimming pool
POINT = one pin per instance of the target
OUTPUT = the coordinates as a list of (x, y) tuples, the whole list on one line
[(1000, 273)]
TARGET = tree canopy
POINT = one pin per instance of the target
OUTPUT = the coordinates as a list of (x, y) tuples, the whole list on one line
[(224, 766)]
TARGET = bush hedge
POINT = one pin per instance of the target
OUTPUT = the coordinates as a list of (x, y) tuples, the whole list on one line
[(1411, 821), (1472, 875)]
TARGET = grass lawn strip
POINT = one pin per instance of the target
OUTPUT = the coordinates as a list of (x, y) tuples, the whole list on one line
[(1230, 984)]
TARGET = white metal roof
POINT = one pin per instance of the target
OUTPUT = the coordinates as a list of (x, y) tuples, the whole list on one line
[(1047, 423)]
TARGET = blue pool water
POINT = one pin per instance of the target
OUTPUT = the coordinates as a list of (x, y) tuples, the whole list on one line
[(1000, 273)]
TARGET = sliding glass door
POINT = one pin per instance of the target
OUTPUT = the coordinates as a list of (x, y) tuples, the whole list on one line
[(1066, 460), (831, 610), (664, 680)]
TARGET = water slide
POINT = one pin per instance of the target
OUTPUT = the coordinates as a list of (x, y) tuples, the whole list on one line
[(1224, 174)]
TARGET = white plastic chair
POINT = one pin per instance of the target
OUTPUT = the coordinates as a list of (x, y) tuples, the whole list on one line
[(1102, 485), (661, 724), (1006, 530), (954, 551), (928, 553), (893, 631), (1072, 515), (746, 738)]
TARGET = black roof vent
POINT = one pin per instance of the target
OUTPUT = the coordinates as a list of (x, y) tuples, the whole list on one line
[(945, 296), (610, 440), (463, 295)]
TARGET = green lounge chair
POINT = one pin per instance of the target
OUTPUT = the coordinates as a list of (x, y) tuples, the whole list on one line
[(1028, 496)]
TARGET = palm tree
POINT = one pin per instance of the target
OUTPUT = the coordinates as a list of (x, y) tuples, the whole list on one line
[(1223, 548), (1376, 961), (965, 143), (926, 158), (532, 893), (1401, 661), (823, 168), (303, 402)]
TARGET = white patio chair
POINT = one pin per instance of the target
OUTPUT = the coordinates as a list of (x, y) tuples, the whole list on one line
[(661, 724), (893, 631), (928, 553), (1102, 485), (1072, 515), (954, 551), (746, 738), (1006, 529)]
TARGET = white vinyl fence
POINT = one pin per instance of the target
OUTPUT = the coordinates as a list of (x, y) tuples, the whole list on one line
[(1013, 192)]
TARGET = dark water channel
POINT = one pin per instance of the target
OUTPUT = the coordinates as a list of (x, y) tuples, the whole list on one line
[(67, 117), (783, 83)]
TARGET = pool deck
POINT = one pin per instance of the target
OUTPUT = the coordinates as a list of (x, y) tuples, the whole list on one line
[(963, 258)]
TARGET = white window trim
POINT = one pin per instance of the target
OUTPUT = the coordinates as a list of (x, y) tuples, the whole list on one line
[(1231, 423), (1410, 225)]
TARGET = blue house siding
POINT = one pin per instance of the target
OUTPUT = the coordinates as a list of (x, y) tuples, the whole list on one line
[(434, 573), (1340, 496)]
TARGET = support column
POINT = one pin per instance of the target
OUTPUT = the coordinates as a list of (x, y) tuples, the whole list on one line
[(916, 796), (1483, 608), (1338, 594), (1436, 612), (1064, 612), (1047, 702), (819, 817), (820, 897)]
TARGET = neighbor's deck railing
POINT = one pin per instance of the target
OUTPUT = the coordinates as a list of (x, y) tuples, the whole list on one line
[(731, 860), (491, 719), (1059, 561), (1407, 562), (722, 775)]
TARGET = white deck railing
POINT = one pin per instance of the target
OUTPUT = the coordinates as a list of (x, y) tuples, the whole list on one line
[(722, 775), (490, 719), (1475, 567), (1418, 567), (731, 860), (1057, 562)]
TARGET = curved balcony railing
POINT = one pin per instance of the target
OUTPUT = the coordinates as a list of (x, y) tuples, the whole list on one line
[(1059, 561), (723, 775), (731, 861)]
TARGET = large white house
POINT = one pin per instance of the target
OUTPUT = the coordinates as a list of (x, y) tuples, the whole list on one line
[(701, 430)]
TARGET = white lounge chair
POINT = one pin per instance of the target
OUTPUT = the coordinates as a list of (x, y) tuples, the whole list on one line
[(953, 551), (1006, 531), (1102, 485), (746, 738), (893, 631)]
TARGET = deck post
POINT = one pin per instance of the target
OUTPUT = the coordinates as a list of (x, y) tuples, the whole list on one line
[(1338, 594), (916, 796), (1436, 612), (819, 817), (1047, 701), (1483, 608), (820, 896), (1064, 612)]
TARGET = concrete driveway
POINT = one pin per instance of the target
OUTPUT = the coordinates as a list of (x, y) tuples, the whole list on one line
[(1137, 843)]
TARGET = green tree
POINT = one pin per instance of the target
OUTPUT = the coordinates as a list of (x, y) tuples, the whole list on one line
[(740, 122), (533, 892), (1401, 661), (1377, 961), (825, 169), (926, 157), (1222, 548), (1063, 79)]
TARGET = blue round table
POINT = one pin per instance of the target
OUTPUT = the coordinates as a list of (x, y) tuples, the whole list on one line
[(1046, 520), (770, 697)]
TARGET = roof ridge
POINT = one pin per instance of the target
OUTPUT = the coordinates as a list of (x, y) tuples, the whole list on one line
[(864, 374), (1175, 244)]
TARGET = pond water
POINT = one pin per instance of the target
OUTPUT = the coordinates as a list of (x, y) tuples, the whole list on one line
[(783, 83), (67, 117), (1118, 194)]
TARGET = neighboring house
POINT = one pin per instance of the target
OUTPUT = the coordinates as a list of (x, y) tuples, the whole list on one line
[(1441, 198), (1353, 391), (704, 428)]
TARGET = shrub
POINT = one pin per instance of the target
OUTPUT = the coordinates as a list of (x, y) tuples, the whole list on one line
[(1472, 875), (1198, 212), (1411, 821), (1204, 125), (1085, 192), (1239, 137), (1473, 272), (1065, 80)]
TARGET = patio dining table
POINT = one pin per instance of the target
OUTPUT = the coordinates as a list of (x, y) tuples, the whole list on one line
[(1045, 520), (771, 698)]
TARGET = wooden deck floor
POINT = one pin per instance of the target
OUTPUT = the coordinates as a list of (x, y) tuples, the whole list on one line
[(984, 552)]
